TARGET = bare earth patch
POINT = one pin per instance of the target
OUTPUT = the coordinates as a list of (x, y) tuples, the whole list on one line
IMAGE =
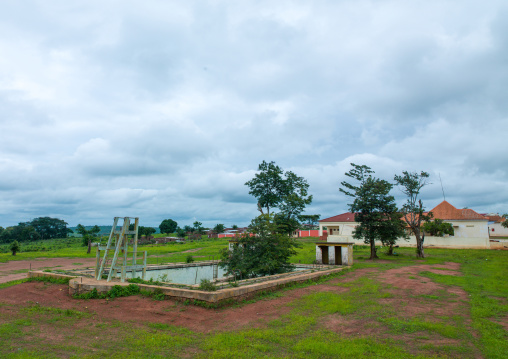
[(10, 270)]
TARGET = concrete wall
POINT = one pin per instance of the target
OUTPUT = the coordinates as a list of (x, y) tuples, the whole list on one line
[(438, 242), (497, 230)]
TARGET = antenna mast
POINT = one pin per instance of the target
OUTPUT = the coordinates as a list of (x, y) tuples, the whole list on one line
[(442, 189)]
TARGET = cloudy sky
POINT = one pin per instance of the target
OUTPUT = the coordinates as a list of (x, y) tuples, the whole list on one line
[(164, 109)]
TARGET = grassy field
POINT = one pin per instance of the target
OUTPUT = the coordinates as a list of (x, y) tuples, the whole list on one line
[(362, 313)]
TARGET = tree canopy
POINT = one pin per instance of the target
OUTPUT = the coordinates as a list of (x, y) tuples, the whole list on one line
[(438, 228), (197, 227), (413, 210), (266, 253), (168, 226), (88, 235), (219, 228), (146, 231), (274, 188), (49, 228), (375, 209), (310, 220), (21, 233)]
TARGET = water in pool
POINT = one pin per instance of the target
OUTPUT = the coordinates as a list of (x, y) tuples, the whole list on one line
[(186, 275), (182, 275)]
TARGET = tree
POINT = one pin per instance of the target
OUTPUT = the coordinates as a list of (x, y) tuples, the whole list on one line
[(168, 226), (14, 247), (88, 235), (21, 233), (219, 228), (392, 230), (234, 226), (188, 229), (49, 228), (180, 232), (198, 227), (413, 210), (374, 208), (267, 253), (274, 188), (438, 228), (311, 220), (146, 231)]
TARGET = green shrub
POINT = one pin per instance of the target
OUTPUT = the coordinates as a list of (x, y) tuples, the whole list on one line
[(115, 292), (189, 259), (14, 247), (207, 285)]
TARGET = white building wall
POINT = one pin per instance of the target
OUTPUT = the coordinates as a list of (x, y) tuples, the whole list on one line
[(468, 234), (497, 230)]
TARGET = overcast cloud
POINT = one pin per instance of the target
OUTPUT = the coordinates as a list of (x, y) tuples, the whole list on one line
[(164, 109)]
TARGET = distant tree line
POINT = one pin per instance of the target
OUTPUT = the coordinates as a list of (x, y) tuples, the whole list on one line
[(36, 229)]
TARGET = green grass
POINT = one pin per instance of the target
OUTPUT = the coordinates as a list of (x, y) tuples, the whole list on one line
[(474, 330), (13, 282)]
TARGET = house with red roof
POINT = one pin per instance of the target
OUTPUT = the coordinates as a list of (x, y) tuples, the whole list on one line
[(471, 229)]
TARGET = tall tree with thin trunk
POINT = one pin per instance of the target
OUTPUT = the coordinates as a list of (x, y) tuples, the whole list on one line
[(374, 208), (413, 211)]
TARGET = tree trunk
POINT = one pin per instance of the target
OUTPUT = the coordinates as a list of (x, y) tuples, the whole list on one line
[(390, 250), (419, 246), (373, 254), (89, 246)]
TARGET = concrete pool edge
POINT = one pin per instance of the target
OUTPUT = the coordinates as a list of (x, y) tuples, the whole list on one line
[(78, 285)]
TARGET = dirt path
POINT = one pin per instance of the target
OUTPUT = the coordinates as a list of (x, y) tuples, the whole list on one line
[(136, 309), (13, 270)]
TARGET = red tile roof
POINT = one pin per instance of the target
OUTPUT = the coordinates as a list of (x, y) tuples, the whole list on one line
[(344, 217), (496, 218), (446, 211)]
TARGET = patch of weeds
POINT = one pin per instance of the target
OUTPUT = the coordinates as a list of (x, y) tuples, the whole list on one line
[(412, 277), (39, 309), (49, 280), (19, 271), (207, 286), (441, 268), (417, 325), (13, 282), (189, 259), (428, 296), (115, 292), (324, 344), (77, 264), (158, 294), (9, 331), (448, 350), (362, 298)]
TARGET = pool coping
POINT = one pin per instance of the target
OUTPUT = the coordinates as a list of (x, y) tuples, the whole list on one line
[(79, 285)]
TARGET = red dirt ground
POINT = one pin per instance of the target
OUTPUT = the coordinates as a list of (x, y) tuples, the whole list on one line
[(8, 270), (138, 309)]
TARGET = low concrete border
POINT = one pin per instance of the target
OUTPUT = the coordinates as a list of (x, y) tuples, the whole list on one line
[(35, 274), (78, 285)]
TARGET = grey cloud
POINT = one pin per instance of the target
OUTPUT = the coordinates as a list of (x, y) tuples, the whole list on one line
[(164, 110)]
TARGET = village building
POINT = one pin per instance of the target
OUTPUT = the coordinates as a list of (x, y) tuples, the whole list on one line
[(471, 229)]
